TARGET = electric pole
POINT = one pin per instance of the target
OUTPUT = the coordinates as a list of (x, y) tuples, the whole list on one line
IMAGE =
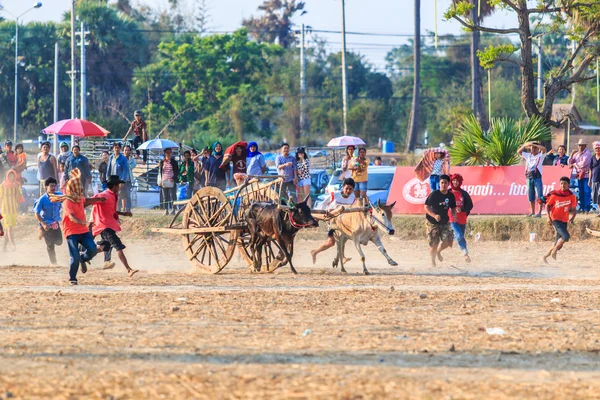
[(302, 84), (539, 69), (344, 81), (83, 93)]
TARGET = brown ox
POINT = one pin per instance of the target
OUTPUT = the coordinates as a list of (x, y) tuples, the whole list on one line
[(362, 228), (267, 221)]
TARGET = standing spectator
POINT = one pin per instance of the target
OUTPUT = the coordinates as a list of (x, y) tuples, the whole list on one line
[(117, 163), (105, 218), (10, 154), (304, 180), (21, 164), (140, 135), (47, 166), (594, 181), (360, 173), (378, 161), (103, 169), (438, 206), (79, 161), (10, 197), (126, 189), (238, 160), (4, 165), (186, 173), (464, 205), (214, 175), (534, 159), (440, 167), (62, 184), (198, 175), (348, 156), (559, 204), (75, 227), (579, 162), (65, 153), (255, 163), (288, 170), (168, 172), (560, 158), (48, 215)]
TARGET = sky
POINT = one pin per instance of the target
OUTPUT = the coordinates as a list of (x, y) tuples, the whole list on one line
[(372, 16)]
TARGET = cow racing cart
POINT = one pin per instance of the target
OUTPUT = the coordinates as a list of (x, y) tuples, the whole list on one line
[(212, 224)]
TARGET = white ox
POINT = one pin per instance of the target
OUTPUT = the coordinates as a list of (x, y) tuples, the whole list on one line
[(362, 228)]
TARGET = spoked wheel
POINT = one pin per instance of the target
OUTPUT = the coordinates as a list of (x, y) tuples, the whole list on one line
[(211, 248)]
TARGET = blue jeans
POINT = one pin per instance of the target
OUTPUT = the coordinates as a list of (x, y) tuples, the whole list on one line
[(584, 194), (534, 187), (189, 190), (86, 240), (459, 236), (434, 182)]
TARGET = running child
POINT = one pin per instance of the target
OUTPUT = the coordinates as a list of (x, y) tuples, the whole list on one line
[(559, 204), (437, 208), (105, 222)]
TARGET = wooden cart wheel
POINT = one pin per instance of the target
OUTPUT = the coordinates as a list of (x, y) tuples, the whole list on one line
[(272, 256), (209, 251)]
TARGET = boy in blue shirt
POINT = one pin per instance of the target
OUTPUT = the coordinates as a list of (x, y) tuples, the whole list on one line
[(48, 215)]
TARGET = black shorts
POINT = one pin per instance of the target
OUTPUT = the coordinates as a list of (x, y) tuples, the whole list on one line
[(110, 239), (331, 232), (561, 231)]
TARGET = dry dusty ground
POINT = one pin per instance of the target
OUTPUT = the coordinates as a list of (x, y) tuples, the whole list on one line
[(410, 331)]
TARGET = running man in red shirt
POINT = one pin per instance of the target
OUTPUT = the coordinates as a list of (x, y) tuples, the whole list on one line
[(105, 222), (559, 204), (464, 205)]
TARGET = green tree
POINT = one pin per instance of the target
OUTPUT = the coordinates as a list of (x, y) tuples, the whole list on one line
[(276, 22), (532, 19)]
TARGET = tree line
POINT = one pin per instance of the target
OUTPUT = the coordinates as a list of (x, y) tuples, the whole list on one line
[(199, 86)]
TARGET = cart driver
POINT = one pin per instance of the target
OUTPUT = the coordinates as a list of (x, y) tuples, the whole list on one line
[(334, 203)]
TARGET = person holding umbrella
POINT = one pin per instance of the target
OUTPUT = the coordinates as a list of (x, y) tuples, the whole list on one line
[(168, 177), (346, 172), (140, 134)]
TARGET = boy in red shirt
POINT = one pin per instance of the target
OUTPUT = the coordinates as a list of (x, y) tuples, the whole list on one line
[(559, 204), (105, 218), (464, 205)]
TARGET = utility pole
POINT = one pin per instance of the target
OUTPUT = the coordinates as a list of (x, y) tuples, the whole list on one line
[(15, 134), (413, 124), (83, 101), (72, 73), (302, 84), (344, 81), (539, 69), (55, 147)]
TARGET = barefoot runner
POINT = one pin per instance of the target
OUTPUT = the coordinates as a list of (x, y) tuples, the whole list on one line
[(333, 203), (105, 222), (437, 207), (559, 204), (75, 227), (464, 205)]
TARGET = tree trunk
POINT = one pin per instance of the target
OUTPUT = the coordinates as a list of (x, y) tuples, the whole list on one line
[(527, 73), (413, 125), (476, 82)]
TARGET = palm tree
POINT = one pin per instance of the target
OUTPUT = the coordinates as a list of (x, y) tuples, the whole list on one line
[(413, 125), (497, 146), (276, 23)]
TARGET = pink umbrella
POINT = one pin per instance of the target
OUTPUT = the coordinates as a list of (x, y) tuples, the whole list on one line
[(76, 127), (343, 141)]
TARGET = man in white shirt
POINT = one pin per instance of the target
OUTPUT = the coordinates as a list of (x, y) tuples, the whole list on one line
[(344, 198), (533, 172)]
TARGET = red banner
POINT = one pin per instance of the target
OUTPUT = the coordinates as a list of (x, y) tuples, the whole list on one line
[(494, 190)]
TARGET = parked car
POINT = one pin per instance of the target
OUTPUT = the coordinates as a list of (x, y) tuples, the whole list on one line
[(31, 188), (378, 186)]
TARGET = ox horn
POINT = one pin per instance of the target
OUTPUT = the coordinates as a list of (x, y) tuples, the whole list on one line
[(284, 208), (306, 198), (378, 203)]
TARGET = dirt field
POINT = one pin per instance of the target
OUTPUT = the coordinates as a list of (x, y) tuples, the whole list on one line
[(410, 331)]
